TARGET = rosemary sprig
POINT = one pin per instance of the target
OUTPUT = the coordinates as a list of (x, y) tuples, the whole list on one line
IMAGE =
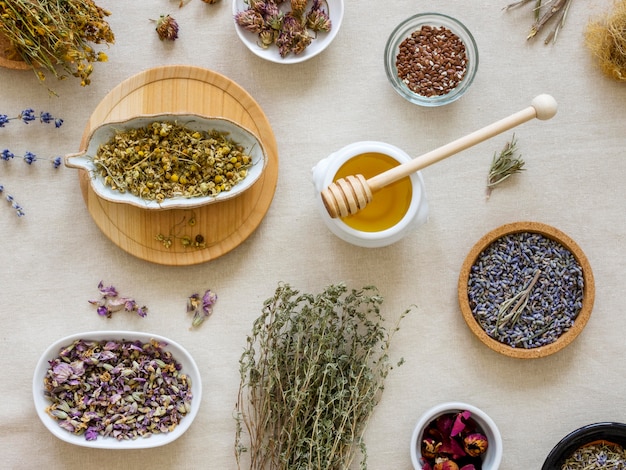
[(311, 374), (504, 165)]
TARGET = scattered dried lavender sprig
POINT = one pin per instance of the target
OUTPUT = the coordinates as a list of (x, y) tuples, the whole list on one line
[(504, 165), (201, 307), (110, 302), (122, 389), (14, 205), (29, 158), (28, 115)]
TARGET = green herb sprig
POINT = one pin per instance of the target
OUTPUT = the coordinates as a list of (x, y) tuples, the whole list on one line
[(311, 374), (504, 165)]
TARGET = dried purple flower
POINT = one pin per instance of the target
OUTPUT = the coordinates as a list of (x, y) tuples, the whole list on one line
[(318, 19), (27, 115), (7, 155), (30, 158), (18, 209), (293, 37), (121, 389), (201, 308), (250, 20), (110, 302), (167, 28)]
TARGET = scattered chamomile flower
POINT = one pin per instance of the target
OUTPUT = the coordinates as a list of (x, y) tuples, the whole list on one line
[(110, 302), (167, 28), (201, 307)]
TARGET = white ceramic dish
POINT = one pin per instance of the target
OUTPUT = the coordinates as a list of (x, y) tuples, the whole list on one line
[(189, 367), (252, 145), (492, 457), (335, 10)]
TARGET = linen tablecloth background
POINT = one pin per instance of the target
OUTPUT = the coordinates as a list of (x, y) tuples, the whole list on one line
[(52, 259)]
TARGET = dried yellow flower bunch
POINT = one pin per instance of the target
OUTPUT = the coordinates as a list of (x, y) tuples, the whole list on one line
[(56, 36), (606, 39)]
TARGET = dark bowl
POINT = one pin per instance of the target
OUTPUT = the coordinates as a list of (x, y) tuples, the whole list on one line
[(614, 433)]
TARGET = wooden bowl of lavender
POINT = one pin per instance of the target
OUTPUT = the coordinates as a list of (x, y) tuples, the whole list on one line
[(526, 290)]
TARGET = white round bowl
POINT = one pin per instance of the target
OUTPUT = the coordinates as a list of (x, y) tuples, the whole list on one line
[(324, 174), (335, 10), (493, 455), (189, 367), (252, 145)]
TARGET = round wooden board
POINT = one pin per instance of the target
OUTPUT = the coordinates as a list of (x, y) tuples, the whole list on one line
[(223, 225)]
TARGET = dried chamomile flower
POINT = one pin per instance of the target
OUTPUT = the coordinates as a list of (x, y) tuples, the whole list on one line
[(110, 302), (201, 307), (167, 28)]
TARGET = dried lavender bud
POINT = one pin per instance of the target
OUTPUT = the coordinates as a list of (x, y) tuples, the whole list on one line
[(122, 389), (167, 28)]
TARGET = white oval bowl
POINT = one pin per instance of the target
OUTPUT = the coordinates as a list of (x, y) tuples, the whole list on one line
[(189, 367), (493, 456), (102, 134), (321, 42)]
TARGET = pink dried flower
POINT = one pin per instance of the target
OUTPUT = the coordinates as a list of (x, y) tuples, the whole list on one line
[(201, 308), (110, 302), (167, 28)]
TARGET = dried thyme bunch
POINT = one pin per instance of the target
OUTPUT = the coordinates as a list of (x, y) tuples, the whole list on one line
[(166, 160), (311, 374), (556, 11), (47, 33)]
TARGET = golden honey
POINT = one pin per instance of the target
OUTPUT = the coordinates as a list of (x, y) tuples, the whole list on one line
[(389, 204)]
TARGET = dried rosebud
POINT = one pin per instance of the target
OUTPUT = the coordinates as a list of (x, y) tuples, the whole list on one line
[(475, 444), (445, 464), (167, 28), (430, 447), (210, 2)]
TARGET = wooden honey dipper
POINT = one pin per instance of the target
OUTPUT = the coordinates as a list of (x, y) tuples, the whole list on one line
[(348, 195)]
